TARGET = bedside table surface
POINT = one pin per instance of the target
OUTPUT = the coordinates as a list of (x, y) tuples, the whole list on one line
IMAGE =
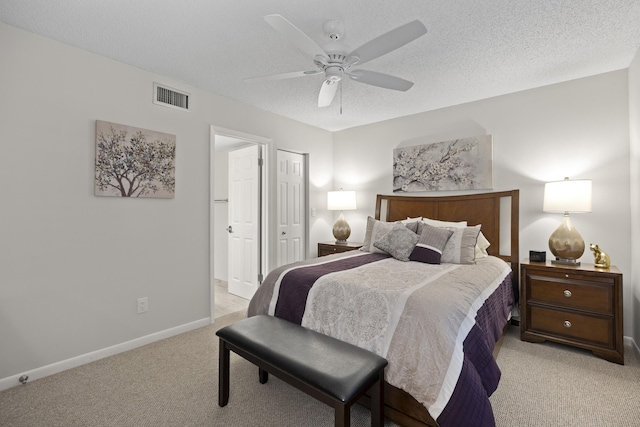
[(582, 267), (356, 245)]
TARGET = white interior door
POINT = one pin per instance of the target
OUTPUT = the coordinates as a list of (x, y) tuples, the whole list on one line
[(291, 207), (244, 220)]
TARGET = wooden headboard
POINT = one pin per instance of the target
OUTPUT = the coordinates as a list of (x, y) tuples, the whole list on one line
[(498, 213)]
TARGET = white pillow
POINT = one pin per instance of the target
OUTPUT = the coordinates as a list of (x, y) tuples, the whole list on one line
[(408, 220), (481, 246)]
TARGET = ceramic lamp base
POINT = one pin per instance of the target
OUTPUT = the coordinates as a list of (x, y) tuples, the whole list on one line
[(341, 230), (566, 243)]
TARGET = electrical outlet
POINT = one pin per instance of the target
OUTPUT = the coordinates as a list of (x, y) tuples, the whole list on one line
[(143, 305)]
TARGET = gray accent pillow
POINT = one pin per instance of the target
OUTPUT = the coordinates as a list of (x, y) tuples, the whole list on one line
[(376, 229), (461, 246), (430, 245), (411, 225), (399, 242)]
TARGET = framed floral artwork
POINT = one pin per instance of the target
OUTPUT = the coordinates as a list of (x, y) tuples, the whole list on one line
[(133, 162), (461, 164)]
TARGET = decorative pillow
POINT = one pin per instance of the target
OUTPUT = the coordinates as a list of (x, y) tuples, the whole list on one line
[(461, 247), (376, 229), (412, 223), (399, 242), (430, 245), (481, 246)]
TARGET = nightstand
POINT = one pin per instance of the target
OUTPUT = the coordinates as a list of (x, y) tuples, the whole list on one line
[(579, 306), (328, 248)]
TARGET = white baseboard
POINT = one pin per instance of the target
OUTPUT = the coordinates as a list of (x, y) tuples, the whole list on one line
[(54, 368), (630, 342)]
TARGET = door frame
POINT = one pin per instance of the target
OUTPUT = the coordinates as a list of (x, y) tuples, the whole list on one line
[(267, 145)]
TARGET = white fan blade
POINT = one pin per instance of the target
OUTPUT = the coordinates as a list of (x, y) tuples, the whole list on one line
[(327, 93), (281, 76), (390, 41), (295, 36), (381, 80)]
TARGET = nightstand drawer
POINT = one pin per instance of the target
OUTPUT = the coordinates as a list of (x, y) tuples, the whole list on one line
[(336, 248), (594, 329), (578, 294)]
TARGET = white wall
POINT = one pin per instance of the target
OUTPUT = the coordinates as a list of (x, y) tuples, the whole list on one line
[(71, 264), (578, 129), (634, 121)]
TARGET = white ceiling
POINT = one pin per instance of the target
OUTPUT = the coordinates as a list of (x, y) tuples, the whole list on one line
[(474, 49)]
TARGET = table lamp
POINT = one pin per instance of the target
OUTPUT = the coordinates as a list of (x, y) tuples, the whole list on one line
[(341, 201), (567, 196)]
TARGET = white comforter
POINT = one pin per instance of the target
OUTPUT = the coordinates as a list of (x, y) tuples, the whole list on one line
[(415, 315)]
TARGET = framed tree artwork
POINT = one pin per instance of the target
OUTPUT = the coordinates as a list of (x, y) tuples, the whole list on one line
[(461, 164), (133, 162)]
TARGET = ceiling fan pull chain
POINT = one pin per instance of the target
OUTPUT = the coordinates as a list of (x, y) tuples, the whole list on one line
[(340, 96)]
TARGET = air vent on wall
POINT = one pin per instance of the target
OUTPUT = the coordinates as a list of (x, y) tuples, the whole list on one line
[(169, 97)]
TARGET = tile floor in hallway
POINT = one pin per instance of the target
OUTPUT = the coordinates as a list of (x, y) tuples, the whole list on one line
[(226, 303)]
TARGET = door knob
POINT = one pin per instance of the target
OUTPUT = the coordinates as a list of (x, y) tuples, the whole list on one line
[(230, 229), (284, 232)]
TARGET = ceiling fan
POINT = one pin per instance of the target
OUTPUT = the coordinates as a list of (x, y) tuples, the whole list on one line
[(335, 60)]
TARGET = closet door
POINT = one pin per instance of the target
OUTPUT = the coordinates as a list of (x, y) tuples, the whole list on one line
[(291, 207)]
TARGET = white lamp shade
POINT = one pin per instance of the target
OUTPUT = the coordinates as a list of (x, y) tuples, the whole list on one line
[(567, 196), (341, 200)]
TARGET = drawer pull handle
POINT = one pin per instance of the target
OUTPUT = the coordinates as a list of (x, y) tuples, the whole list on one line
[(567, 293), (567, 324)]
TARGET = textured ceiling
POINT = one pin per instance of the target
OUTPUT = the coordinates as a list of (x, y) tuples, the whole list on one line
[(474, 49)]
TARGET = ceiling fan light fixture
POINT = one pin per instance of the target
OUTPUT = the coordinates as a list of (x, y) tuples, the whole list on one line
[(333, 74)]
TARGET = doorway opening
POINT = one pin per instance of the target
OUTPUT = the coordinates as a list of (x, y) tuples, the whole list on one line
[(247, 266)]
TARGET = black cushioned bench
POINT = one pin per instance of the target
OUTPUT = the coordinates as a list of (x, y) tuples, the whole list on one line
[(333, 371)]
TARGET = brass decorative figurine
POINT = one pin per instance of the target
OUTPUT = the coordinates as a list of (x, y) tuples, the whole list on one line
[(600, 258)]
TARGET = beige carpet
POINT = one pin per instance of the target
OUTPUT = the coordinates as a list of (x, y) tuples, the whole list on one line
[(174, 383), (550, 385)]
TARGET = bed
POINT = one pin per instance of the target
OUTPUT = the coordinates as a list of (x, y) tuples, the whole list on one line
[(436, 322)]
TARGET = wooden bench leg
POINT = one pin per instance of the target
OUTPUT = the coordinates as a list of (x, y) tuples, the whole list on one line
[(343, 416), (377, 402), (263, 376), (223, 374)]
